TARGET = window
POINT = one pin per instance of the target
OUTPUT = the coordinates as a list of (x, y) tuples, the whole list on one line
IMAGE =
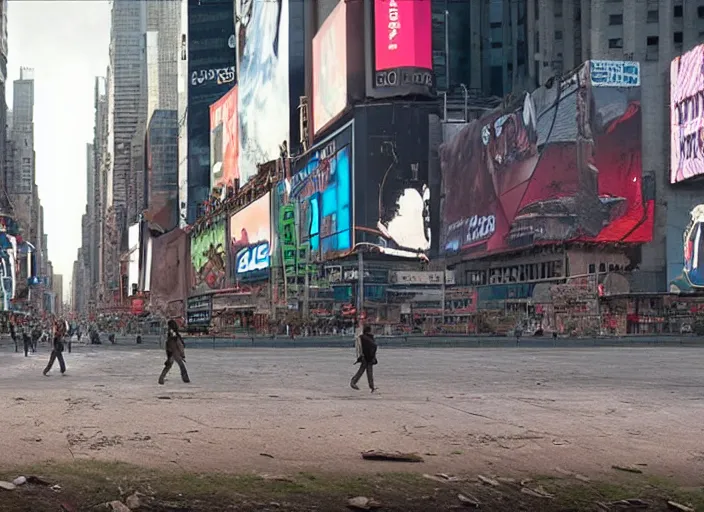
[(592, 268), (678, 11), (653, 41), (616, 19), (653, 16), (677, 38), (700, 11), (616, 43), (558, 35)]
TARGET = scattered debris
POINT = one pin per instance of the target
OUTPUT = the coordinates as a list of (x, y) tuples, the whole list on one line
[(560, 442), (56, 488), (434, 478), (164, 397), (363, 503), (629, 504), (7, 486), (488, 481), (525, 481), (275, 504), (134, 501), (117, 506), (19, 399), (277, 478), (267, 455), (505, 480), (20, 480), (391, 456), (450, 478), (627, 469), (678, 506), (537, 492), (468, 500), (38, 480), (68, 507)]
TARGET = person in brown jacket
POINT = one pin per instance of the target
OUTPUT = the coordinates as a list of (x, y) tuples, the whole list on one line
[(175, 351)]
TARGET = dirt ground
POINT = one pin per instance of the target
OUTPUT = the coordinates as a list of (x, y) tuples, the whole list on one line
[(507, 412)]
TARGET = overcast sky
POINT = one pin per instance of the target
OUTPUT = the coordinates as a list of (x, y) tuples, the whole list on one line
[(66, 42)]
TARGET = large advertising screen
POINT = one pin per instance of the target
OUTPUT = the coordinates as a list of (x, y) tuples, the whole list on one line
[(560, 164), (392, 198), (208, 270), (330, 68), (315, 212), (133, 262), (687, 115), (403, 53), (211, 73), (262, 53), (250, 241), (224, 140)]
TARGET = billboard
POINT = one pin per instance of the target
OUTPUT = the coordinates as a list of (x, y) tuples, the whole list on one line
[(250, 241), (168, 268), (315, 216), (208, 258), (392, 208), (133, 262), (560, 164), (224, 140), (211, 74), (330, 68), (687, 115), (263, 98), (402, 42)]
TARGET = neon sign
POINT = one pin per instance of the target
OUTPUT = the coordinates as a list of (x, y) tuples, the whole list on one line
[(253, 258)]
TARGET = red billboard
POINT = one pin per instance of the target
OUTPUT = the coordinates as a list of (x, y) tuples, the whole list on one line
[(402, 30), (224, 141), (330, 68), (560, 164)]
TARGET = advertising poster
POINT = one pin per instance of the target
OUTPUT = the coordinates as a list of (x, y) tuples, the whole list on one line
[(687, 115), (319, 196), (133, 264), (224, 140), (330, 68), (561, 164), (250, 242), (208, 271), (685, 241), (262, 56), (392, 209), (211, 74), (403, 53)]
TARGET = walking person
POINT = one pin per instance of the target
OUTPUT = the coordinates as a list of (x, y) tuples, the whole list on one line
[(58, 349), (175, 351), (26, 340), (13, 333), (366, 357)]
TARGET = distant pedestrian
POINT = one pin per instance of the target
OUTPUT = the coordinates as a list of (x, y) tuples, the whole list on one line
[(58, 348), (26, 340), (13, 334), (366, 357), (175, 351)]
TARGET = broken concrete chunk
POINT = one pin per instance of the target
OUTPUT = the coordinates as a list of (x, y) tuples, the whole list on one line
[(678, 506), (391, 456), (20, 480), (363, 503), (488, 481), (7, 486), (538, 492), (468, 500), (133, 501)]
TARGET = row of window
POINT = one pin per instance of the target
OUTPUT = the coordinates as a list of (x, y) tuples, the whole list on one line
[(652, 41), (515, 274)]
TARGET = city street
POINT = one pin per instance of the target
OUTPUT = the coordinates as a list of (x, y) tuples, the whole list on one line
[(503, 411)]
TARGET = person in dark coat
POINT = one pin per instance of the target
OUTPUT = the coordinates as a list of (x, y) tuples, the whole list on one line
[(58, 348), (175, 351), (13, 333), (367, 359)]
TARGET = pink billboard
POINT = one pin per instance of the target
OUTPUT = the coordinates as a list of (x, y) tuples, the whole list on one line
[(687, 115), (402, 34)]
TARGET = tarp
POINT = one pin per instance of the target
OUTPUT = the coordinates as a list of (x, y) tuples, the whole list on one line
[(170, 262)]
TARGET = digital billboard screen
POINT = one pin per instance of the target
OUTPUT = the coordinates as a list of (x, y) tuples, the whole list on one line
[(263, 82), (560, 164), (403, 52), (687, 115), (392, 208), (250, 241), (330, 68), (211, 74), (224, 140), (208, 258)]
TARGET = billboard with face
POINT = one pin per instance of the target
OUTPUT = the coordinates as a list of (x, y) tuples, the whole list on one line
[(224, 140), (316, 203), (262, 52), (330, 68), (208, 258), (250, 241), (561, 164), (687, 115)]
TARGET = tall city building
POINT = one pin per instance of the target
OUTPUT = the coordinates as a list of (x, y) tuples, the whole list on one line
[(23, 132), (4, 203), (651, 32), (57, 283), (161, 178)]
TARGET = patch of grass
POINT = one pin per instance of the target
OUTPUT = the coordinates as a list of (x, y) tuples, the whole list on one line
[(88, 483)]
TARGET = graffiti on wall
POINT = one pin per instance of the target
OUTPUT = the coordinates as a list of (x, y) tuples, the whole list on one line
[(562, 164), (614, 73), (208, 258)]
